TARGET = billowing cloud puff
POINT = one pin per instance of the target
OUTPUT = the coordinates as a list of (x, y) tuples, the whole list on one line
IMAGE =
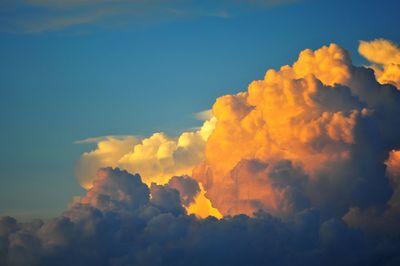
[(113, 187), (381, 220), (122, 222), (107, 153), (314, 134), (385, 57), (187, 187), (156, 158)]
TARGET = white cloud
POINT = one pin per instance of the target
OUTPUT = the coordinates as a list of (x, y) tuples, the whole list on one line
[(156, 158)]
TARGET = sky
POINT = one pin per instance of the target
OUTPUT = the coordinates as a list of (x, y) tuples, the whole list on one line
[(204, 132), (64, 78)]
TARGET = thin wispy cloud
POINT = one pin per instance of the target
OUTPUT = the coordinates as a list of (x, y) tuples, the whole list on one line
[(35, 16), (204, 115), (103, 138)]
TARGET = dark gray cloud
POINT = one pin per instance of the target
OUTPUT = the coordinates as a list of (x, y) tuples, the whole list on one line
[(122, 222), (188, 188)]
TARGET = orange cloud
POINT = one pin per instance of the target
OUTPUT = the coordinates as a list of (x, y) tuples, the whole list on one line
[(202, 206), (385, 56), (296, 138)]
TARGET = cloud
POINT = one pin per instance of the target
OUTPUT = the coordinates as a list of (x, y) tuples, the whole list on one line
[(303, 166), (35, 16), (109, 150), (122, 222), (380, 51), (269, 3), (204, 115), (381, 220), (72, 3), (385, 56), (188, 188), (115, 187), (314, 134), (96, 140), (294, 140), (157, 157)]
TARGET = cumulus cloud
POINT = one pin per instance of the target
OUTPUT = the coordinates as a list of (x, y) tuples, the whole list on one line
[(316, 133), (385, 56), (107, 153), (188, 188), (300, 137), (156, 158), (381, 220), (122, 222)]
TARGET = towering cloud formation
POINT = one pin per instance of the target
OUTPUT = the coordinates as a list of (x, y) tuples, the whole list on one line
[(298, 138), (304, 166), (316, 133)]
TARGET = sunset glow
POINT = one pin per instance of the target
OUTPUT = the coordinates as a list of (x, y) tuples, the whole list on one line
[(237, 133)]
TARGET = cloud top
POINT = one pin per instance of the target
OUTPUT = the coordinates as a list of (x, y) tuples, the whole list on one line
[(157, 157), (385, 56), (300, 137)]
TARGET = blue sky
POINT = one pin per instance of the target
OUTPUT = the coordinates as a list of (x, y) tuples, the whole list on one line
[(70, 72)]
